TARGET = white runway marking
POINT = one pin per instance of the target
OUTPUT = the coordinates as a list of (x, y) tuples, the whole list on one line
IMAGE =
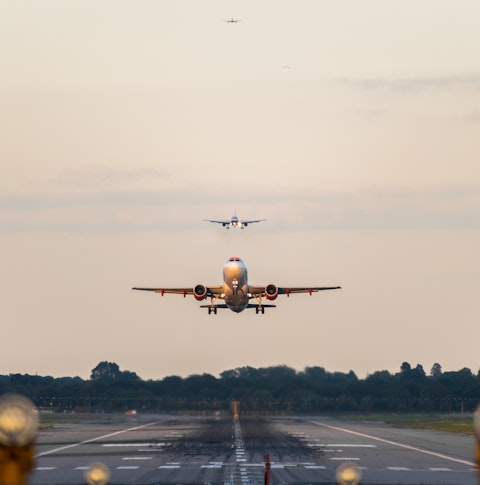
[(315, 467), (395, 443), (119, 445), (398, 468), (92, 440), (137, 458), (341, 445), (45, 468), (343, 458), (351, 446), (82, 468), (128, 467), (440, 469), (169, 467)]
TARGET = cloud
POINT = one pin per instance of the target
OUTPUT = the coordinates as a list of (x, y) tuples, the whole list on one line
[(446, 208), (413, 84), (474, 116), (97, 176)]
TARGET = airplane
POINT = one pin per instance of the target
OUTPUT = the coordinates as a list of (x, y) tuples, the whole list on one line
[(235, 222), (236, 292), (232, 21)]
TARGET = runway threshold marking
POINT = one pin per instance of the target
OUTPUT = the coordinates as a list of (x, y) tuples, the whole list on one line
[(396, 443), (92, 440)]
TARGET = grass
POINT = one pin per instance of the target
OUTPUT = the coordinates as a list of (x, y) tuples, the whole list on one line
[(49, 420), (452, 423)]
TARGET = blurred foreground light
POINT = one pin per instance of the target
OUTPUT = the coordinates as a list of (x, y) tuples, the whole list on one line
[(476, 422), (348, 474), (97, 474), (18, 420)]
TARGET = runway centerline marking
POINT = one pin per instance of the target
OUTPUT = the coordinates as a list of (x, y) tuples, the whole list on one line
[(92, 440), (396, 443)]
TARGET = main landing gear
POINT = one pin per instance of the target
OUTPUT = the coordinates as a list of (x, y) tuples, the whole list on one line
[(259, 308), (212, 309)]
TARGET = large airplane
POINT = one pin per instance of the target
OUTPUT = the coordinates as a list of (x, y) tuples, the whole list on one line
[(235, 222), (236, 292), (232, 21)]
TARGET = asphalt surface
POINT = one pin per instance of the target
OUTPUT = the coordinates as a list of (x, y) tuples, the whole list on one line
[(185, 450)]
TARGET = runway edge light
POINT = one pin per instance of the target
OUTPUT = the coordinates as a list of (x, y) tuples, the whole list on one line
[(97, 474), (18, 431), (476, 430), (348, 474)]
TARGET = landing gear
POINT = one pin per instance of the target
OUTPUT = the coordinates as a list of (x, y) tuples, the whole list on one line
[(212, 308), (259, 307)]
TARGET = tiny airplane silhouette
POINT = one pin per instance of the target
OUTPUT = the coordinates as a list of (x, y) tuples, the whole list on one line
[(234, 222), (232, 21)]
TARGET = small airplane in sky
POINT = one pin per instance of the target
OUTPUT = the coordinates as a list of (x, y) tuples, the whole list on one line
[(236, 292), (234, 222), (232, 21)]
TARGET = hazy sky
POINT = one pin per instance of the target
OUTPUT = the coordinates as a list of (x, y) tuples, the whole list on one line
[(124, 124)]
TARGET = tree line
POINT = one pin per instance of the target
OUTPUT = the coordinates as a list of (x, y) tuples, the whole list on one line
[(276, 389)]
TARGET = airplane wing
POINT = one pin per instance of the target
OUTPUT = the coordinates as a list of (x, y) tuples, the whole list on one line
[(251, 222), (223, 223), (283, 290), (211, 290)]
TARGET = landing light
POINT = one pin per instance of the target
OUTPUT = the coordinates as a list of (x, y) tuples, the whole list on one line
[(476, 422), (18, 420), (97, 474), (348, 474)]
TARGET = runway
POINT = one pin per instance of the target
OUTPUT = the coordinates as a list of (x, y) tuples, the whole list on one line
[(186, 450)]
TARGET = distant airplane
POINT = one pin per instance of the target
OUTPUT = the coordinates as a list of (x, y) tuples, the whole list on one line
[(234, 222), (236, 292), (232, 21)]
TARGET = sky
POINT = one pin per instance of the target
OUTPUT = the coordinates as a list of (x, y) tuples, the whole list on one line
[(352, 127)]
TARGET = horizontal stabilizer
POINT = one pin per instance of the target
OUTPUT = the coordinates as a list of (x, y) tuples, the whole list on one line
[(254, 305), (221, 305)]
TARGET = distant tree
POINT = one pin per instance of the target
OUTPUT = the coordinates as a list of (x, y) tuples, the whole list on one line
[(127, 376), (246, 372), (105, 371), (379, 377), (405, 368), (419, 372), (436, 370), (315, 373)]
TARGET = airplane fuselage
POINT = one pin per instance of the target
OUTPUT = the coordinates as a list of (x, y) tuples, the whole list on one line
[(235, 284)]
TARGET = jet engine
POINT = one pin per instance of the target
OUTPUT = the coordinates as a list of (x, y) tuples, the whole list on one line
[(271, 292), (200, 292)]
